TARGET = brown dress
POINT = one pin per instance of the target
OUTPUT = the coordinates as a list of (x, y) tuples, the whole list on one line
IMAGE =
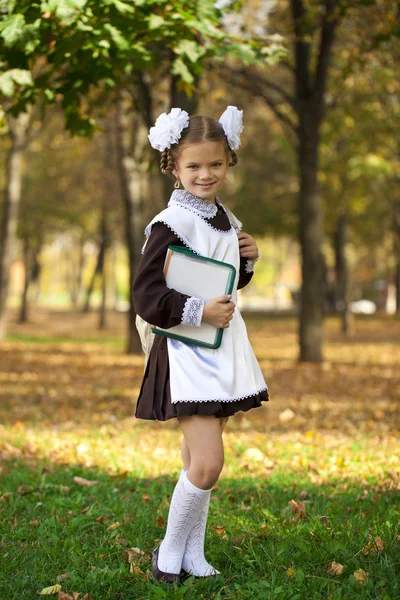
[(163, 307)]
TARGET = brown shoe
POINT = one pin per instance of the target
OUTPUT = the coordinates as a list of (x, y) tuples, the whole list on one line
[(169, 578)]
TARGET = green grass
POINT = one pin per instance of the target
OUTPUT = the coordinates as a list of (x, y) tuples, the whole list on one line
[(48, 530), (67, 396)]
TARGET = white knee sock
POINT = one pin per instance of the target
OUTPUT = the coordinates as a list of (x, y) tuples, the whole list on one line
[(194, 561), (187, 503)]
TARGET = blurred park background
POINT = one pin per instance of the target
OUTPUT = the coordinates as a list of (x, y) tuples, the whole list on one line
[(308, 503)]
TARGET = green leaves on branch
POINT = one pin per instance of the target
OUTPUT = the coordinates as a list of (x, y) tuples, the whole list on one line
[(9, 79), (66, 48)]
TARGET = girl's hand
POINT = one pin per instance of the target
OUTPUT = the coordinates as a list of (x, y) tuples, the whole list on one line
[(219, 311), (247, 246)]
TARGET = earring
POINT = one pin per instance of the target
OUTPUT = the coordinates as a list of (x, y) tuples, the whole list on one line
[(177, 184)]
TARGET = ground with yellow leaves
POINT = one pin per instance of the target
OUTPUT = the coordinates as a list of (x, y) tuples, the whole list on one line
[(307, 506)]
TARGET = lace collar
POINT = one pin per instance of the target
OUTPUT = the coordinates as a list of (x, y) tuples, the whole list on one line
[(202, 207)]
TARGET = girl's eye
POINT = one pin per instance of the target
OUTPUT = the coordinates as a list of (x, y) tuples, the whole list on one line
[(217, 164)]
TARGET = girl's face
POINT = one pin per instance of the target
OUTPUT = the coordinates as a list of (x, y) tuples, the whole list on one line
[(202, 168)]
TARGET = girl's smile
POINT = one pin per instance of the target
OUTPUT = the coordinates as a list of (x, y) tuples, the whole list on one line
[(202, 168)]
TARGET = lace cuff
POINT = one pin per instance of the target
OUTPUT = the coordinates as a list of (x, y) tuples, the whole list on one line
[(193, 312), (250, 264)]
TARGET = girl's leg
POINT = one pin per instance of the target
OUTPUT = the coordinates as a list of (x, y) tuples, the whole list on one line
[(191, 494), (204, 441), (194, 561), (185, 453)]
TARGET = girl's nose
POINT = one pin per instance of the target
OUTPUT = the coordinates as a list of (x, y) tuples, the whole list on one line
[(205, 174)]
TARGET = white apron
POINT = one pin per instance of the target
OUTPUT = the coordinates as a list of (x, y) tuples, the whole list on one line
[(231, 372)]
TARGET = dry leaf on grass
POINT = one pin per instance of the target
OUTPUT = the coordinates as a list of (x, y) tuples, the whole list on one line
[(146, 498), (134, 555), (121, 541), (113, 526), (83, 481), (101, 519), (75, 595), (335, 568), (298, 509), (361, 576), (291, 572), (374, 545), (35, 523), (136, 570), (219, 529), (52, 589), (160, 521)]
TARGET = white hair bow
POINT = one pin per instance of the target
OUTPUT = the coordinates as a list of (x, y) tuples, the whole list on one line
[(168, 128), (232, 122)]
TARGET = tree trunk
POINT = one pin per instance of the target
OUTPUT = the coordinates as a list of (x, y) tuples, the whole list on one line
[(18, 132), (77, 280), (310, 238), (132, 195), (98, 269), (102, 320), (310, 86), (396, 244), (23, 315), (342, 275), (105, 241)]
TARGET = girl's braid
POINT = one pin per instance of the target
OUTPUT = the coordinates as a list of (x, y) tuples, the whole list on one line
[(234, 159), (166, 161)]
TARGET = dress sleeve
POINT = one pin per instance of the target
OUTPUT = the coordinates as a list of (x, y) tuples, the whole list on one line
[(246, 271), (152, 299)]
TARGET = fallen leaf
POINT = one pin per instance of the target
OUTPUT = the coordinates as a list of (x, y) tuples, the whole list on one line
[(373, 545), (53, 589), (133, 555), (63, 576), (113, 526), (101, 519), (253, 454), (291, 572), (298, 508), (286, 415), (135, 570), (146, 498), (121, 541), (35, 523), (83, 481), (160, 521), (64, 596), (361, 576), (379, 543), (219, 529), (119, 475), (335, 568)]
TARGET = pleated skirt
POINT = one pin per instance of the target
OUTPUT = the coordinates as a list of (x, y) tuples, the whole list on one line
[(154, 402)]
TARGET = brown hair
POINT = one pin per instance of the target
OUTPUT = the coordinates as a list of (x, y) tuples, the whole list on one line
[(200, 129)]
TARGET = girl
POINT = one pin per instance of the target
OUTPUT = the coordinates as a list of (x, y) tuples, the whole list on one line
[(199, 386)]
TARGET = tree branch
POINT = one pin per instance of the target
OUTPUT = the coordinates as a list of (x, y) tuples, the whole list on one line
[(255, 87), (302, 50), (329, 24), (261, 80)]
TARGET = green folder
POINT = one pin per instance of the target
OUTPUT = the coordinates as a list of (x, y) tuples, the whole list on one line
[(194, 275)]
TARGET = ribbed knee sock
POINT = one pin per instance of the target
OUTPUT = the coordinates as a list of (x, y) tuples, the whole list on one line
[(187, 503), (194, 561)]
